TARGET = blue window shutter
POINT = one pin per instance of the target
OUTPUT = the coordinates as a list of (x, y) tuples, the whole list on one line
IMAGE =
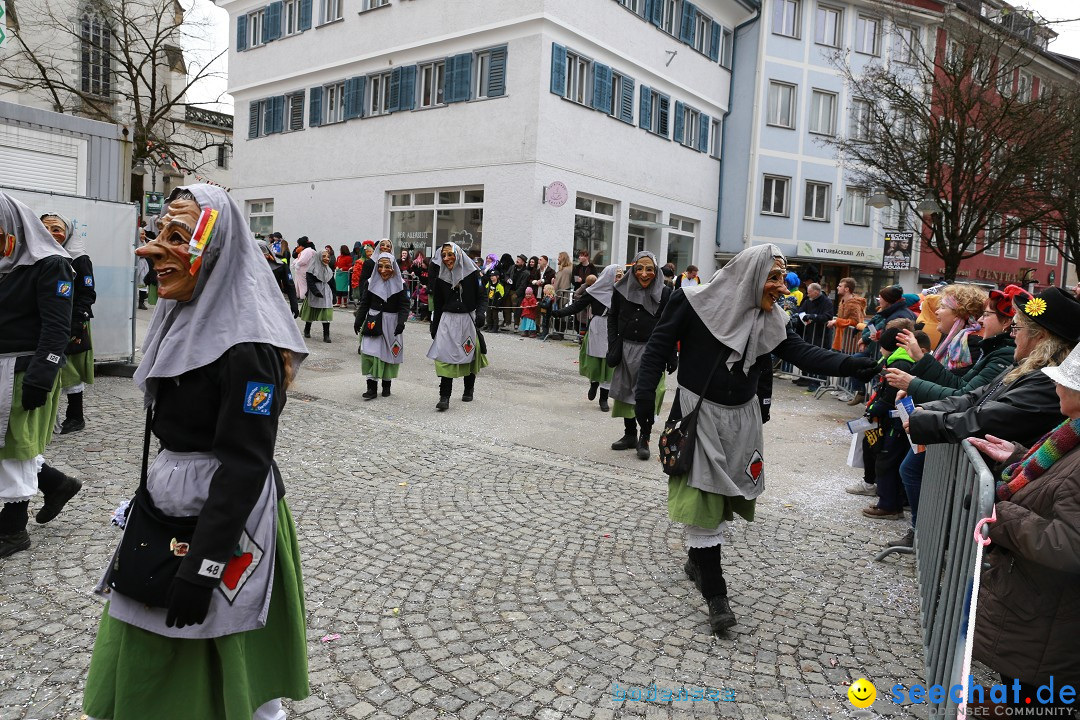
[(354, 97), (305, 15), (393, 104), (626, 111), (558, 69), (241, 33), (253, 119), (273, 20), (315, 107), (679, 121), (601, 87), (458, 78), (704, 126), (714, 41), (686, 27), (497, 73), (407, 100), (348, 99), (656, 13), (645, 109), (278, 114), (665, 108)]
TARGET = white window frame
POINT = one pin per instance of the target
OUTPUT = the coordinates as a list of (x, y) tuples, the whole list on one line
[(774, 113), (905, 44), (290, 17), (691, 127), (819, 125), (854, 198), (331, 11), (716, 130), (862, 22), (617, 80), (702, 23), (787, 17), (727, 46), (578, 78), (255, 22), (654, 115), (481, 72), (292, 102), (820, 31), (1053, 236), (1033, 244), (769, 185), (861, 120), (378, 94), (431, 82), (668, 15), (635, 6), (333, 103), (260, 209), (373, 4), (1024, 85), (814, 193)]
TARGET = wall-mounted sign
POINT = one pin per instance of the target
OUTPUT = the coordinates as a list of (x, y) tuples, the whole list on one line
[(556, 194), (898, 250), (152, 202), (839, 253)]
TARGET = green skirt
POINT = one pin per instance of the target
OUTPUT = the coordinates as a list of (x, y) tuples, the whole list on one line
[(29, 432), (691, 506), (620, 409), (151, 294), (447, 370), (594, 368), (375, 367), (310, 314), (136, 674), (79, 367)]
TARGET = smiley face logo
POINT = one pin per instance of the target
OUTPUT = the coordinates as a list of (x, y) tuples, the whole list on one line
[(862, 693)]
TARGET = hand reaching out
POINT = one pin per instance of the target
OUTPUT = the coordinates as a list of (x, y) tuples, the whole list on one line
[(898, 378), (994, 448), (907, 339)]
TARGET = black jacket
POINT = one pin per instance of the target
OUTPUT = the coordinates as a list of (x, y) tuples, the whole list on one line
[(585, 301), (1022, 411), (818, 310), (630, 321), (398, 304), (581, 272), (35, 317), (933, 381), (516, 279), (83, 304), (467, 297)]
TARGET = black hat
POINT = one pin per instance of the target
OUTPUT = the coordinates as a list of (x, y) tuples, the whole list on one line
[(1054, 310), (887, 341), (494, 271), (522, 257), (275, 234), (892, 293)]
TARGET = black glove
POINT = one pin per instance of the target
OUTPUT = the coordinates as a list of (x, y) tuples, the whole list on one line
[(643, 411), (672, 364), (33, 397), (433, 328), (400, 328), (863, 369), (188, 603), (614, 356), (765, 413), (358, 324)]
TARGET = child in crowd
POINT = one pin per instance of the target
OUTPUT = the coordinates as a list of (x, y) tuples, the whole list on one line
[(547, 305), (529, 313), (422, 309), (495, 294)]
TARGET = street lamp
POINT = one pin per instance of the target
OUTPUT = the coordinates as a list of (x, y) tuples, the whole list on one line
[(879, 199), (140, 169), (928, 205)]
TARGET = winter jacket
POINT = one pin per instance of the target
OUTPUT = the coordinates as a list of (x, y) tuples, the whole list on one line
[(529, 308), (398, 304), (630, 321), (884, 396), (1021, 411), (852, 311), (35, 314), (1028, 616), (82, 305), (933, 381), (467, 297), (495, 293)]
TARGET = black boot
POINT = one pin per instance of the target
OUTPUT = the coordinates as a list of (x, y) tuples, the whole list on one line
[(629, 438), (57, 488), (142, 300), (592, 390), (643, 444), (446, 386), (720, 616), (604, 407), (326, 332), (73, 420), (470, 383), (13, 535), (693, 573), (372, 390), (386, 388), (307, 329), (713, 586)]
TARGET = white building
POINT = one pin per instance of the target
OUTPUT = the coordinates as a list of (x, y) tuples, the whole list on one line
[(532, 126)]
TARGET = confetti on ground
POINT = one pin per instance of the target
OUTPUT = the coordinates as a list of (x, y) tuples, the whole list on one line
[(328, 638)]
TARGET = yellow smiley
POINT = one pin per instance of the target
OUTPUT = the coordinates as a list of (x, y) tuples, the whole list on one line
[(862, 693)]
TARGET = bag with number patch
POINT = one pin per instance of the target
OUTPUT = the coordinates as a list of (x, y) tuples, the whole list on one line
[(153, 545), (372, 326)]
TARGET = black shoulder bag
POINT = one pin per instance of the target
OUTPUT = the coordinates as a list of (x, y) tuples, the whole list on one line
[(680, 433), (153, 545)]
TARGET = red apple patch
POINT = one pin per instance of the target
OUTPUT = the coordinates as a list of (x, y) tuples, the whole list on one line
[(235, 569), (755, 467), (246, 559)]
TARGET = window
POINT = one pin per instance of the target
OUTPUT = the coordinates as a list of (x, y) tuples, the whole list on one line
[(857, 212), (290, 17), (1034, 241), (667, 15), (829, 26), (379, 92), (489, 75), (593, 229), (1023, 86), (823, 113), (905, 44), (266, 116), (261, 216), (432, 84), (868, 35), (654, 111), (1005, 79), (334, 99), (717, 137), (331, 10), (892, 217), (727, 46), (426, 219), (1012, 242), (620, 86), (691, 126), (577, 78), (781, 105), (992, 236), (1053, 237), (372, 4), (786, 18), (680, 250), (701, 33), (296, 111), (817, 201), (861, 120), (635, 6), (95, 41), (774, 195), (223, 155), (255, 22)]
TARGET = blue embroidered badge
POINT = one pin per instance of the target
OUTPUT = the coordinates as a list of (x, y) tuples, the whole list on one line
[(258, 398), (88, 280), (63, 288)]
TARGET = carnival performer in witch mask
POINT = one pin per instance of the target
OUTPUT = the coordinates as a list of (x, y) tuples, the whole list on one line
[(380, 321), (457, 346)]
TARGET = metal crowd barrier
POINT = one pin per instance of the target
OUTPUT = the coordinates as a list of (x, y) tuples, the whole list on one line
[(842, 386), (816, 334)]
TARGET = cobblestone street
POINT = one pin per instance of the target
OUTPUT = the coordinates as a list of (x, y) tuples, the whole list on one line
[(499, 560)]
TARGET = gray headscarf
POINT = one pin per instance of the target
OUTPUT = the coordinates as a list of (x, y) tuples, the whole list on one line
[(630, 288), (730, 305), (32, 241), (321, 271), (463, 267), (385, 288), (605, 284), (227, 308), (73, 243)]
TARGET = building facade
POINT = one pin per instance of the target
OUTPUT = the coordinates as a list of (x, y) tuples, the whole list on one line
[(534, 126)]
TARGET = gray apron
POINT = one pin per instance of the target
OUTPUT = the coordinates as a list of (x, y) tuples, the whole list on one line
[(388, 347), (455, 341), (597, 347), (7, 392), (179, 483), (728, 452), (622, 382)]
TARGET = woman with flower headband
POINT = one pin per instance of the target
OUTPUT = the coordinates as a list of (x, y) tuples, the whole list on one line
[(226, 639)]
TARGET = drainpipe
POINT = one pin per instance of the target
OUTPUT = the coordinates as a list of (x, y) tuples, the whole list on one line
[(754, 5)]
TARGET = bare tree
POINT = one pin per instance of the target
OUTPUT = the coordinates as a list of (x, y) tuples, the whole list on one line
[(115, 60), (954, 123), (1062, 181)]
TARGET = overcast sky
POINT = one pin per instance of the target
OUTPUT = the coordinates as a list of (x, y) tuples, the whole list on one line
[(1067, 43)]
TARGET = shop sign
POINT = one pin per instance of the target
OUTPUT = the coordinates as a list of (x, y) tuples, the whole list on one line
[(556, 194), (840, 253), (898, 250)]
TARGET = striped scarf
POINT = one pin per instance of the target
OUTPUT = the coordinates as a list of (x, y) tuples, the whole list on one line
[(1050, 448)]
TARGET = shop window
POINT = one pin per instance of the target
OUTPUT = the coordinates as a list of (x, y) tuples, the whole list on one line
[(261, 216), (594, 227), (426, 219)]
